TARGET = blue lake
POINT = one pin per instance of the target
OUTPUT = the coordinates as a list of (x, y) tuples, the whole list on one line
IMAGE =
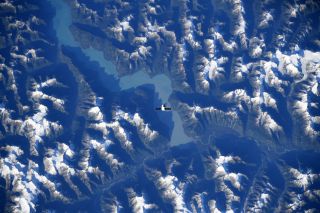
[(161, 82)]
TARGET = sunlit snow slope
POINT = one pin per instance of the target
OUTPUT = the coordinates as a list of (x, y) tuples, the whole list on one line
[(244, 80)]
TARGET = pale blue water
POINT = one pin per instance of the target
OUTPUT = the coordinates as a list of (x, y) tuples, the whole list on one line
[(191, 163), (61, 23)]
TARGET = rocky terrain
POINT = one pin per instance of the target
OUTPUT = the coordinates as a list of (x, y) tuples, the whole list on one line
[(245, 79)]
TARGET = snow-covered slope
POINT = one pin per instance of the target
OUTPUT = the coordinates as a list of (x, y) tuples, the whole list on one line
[(245, 78)]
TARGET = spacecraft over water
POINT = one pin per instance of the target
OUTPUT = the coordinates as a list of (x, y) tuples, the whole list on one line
[(163, 107)]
